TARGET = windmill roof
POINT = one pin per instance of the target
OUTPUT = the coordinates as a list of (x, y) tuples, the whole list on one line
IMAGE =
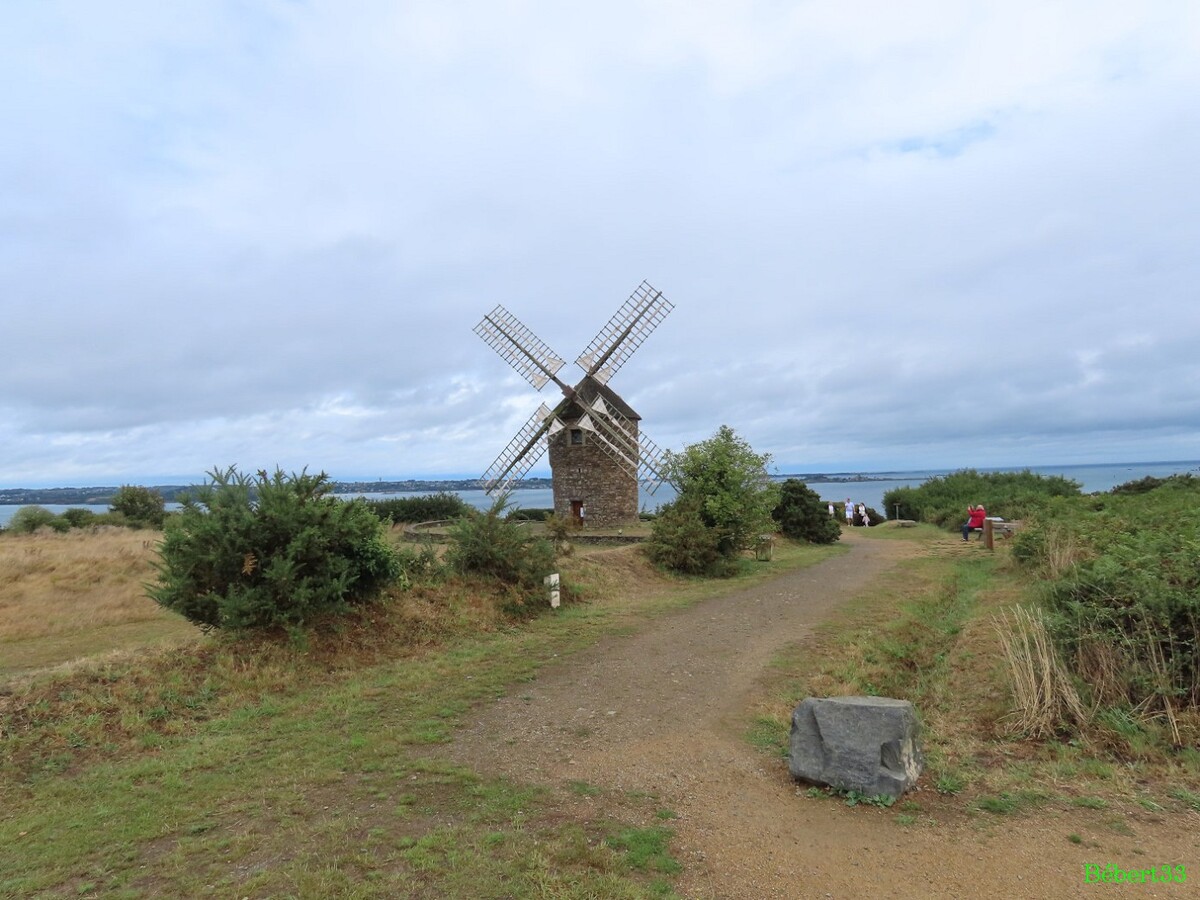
[(586, 392)]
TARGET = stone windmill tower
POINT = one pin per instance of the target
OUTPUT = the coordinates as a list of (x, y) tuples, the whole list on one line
[(597, 454)]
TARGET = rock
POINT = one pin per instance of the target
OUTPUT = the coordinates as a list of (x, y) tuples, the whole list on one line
[(865, 744)]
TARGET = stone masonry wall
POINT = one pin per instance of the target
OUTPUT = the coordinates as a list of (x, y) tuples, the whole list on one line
[(586, 472)]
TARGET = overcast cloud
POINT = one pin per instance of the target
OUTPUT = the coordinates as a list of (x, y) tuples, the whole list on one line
[(897, 235)]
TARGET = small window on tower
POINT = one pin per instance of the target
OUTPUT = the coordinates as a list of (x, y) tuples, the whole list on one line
[(576, 437)]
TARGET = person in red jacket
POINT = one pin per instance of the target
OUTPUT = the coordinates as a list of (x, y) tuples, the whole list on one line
[(975, 517)]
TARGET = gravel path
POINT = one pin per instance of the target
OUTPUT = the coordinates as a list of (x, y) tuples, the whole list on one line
[(664, 711)]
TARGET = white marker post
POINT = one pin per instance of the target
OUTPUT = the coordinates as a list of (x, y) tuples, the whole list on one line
[(551, 581)]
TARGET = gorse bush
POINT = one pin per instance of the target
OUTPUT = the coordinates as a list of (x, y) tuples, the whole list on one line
[(681, 541), (491, 545), (268, 551), (943, 501), (802, 516)]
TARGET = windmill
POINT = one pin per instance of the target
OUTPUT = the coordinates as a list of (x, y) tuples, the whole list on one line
[(597, 455)]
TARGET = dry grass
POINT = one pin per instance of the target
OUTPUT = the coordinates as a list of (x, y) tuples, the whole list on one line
[(618, 574), (90, 702), (66, 597), (54, 585), (1046, 700)]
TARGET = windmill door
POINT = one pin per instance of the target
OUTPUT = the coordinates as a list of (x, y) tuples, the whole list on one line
[(577, 511)]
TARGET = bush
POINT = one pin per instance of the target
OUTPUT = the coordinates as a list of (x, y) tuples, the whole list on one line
[(29, 519), (418, 565), (943, 501), (1150, 483), (1122, 589), (680, 540), (802, 516), (269, 551), (77, 517), (562, 532), (427, 508), (530, 514), (141, 507), (489, 544)]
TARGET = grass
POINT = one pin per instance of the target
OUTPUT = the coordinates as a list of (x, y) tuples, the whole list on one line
[(926, 633), (65, 596), (258, 768)]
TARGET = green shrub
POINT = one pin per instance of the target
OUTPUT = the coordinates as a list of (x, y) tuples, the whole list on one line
[(529, 514), (562, 531), (679, 540), (29, 519), (802, 516), (1149, 483), (266, 551), (943, 501), (427, 508), (418, 565), (141, 506), (1121, 576), (77, 517), (491, 545)]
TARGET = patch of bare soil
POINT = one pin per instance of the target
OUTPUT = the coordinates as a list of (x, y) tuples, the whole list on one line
[(664, 711)]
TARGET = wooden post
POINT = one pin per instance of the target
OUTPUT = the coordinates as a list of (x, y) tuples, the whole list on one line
[(988, 536)]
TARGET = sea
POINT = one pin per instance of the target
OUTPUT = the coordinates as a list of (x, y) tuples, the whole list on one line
[(858, 487)]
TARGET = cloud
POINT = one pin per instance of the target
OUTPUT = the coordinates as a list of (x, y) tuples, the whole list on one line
[(937, 233)]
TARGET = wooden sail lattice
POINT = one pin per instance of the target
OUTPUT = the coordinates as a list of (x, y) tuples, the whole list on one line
[(608, 351)]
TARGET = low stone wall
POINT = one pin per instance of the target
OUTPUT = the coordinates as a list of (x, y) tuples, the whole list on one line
[(419, 531)]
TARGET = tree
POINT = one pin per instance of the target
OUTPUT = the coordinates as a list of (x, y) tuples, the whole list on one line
[(724, 485), (141, 506), (801, 514), (256, 552)]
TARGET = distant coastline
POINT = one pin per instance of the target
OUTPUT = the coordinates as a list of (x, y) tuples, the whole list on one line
[(172, 493), (1113, 473)]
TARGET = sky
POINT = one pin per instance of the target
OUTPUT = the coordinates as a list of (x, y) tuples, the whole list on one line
[(920, 235)]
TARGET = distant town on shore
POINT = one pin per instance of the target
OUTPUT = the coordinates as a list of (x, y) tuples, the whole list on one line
[(94, 496)]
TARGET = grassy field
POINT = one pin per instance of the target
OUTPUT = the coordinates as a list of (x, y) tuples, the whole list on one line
[(252, 768), (261, 769), (65, 596)]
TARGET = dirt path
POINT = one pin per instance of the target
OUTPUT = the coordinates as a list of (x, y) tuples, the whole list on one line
[(665, 710)]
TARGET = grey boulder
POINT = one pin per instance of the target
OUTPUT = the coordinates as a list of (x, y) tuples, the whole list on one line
[(865, 744)]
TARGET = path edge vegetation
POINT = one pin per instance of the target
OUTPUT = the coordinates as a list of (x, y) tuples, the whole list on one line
[(1059, 670)]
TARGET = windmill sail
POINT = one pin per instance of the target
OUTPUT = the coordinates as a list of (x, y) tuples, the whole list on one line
[(609, 443), (519, 347), (605, 421), (650, 460), (651, 465), (624, 333), (522, 452)]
